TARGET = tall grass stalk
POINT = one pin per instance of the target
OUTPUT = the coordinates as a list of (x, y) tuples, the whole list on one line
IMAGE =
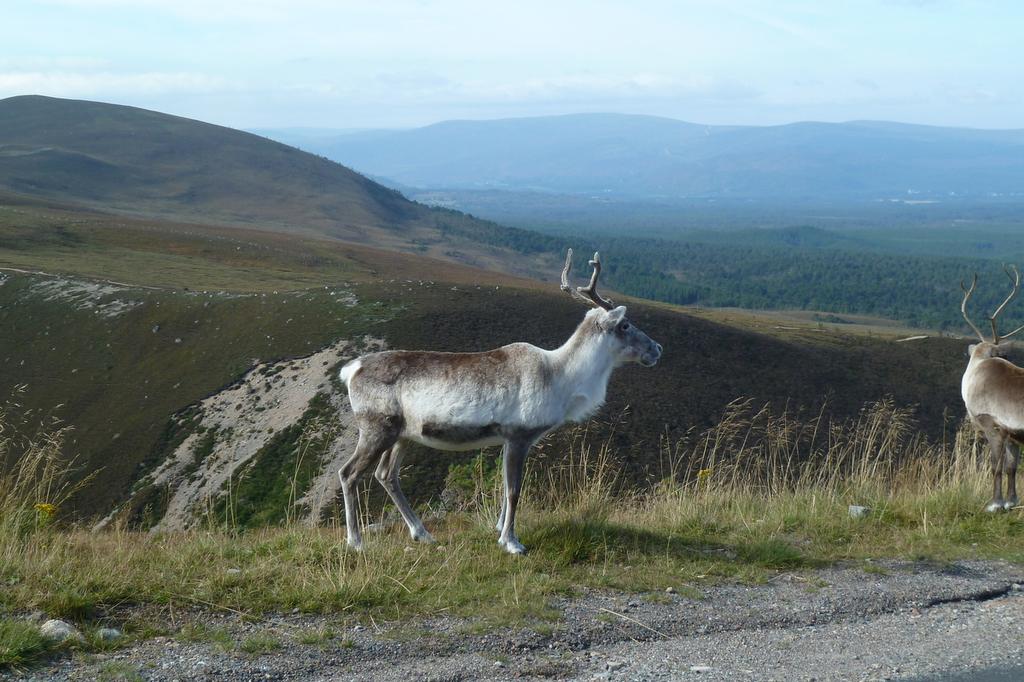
[(879, 453), (34, 485)]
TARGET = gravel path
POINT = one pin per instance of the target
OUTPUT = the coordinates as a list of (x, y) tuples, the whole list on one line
[(893, 621)]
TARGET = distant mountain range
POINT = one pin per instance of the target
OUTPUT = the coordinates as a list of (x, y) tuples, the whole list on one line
[(625, 156)]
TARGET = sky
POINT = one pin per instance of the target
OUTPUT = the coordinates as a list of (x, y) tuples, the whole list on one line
[(407, 63)]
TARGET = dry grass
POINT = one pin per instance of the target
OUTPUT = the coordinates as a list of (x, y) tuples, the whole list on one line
[(758, 493), (32, 489)]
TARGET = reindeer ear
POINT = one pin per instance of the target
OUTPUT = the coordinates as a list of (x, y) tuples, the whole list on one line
[(614, 316)]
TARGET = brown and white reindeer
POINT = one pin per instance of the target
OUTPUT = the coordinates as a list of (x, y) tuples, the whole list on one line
[(508, 396), (993, 391)]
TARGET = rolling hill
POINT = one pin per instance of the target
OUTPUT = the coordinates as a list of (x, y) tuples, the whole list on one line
[(625, 156), (136, 162)]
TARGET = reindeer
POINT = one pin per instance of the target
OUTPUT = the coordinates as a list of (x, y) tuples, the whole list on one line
[(510, 396), (993, 391)]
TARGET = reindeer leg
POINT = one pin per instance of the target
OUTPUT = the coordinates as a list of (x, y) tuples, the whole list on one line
[(387, 474), (997, 444), (374, 440), (1010, 460), (504, 502), (515, 459)]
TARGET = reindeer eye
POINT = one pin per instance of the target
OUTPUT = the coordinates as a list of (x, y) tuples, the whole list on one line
[(623, 326)]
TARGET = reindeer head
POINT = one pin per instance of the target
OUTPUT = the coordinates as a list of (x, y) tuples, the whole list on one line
[(986, 348), (627, 342)]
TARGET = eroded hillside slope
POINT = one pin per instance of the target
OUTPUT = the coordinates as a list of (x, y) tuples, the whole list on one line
[(148, 379)]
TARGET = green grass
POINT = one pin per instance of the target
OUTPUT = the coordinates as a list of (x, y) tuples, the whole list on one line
[(201, 632), (21, 643), (119, 671), (319, 637), (260, 643)]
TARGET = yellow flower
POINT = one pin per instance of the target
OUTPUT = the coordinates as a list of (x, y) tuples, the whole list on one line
[(704, 474), (46, 508)]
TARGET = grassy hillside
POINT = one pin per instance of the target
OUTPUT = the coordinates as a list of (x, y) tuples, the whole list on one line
[(138, 160), (198, 306), (147, 164)]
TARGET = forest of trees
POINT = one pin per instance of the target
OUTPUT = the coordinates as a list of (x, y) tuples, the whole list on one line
[(795, 268)]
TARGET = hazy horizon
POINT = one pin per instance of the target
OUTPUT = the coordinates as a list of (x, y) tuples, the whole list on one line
[(409, 63), (349, 131)]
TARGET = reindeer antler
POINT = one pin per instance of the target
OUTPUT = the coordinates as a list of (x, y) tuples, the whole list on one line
[(1015, 282), (587, 294), (963, 305), (1014, 275)]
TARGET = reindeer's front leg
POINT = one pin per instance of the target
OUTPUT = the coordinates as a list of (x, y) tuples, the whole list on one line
[(997, 452), (514, 460), (500, 526), (1010, 461)]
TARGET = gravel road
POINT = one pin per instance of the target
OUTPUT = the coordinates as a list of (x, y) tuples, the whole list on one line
[(891, 620)]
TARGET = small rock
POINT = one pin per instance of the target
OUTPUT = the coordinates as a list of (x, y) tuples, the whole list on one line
[(858, 512), (233, 571), (700, 668), (614, 665), (1017, 587), (108, 634), (670, 590), (499, 664), (59, 631)]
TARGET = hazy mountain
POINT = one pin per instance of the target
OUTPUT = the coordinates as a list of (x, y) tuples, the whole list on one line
[(644, 156)]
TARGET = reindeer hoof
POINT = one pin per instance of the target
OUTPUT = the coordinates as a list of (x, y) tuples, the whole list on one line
[(423, 535), (1011, 503), (995, 506), (513, 546)]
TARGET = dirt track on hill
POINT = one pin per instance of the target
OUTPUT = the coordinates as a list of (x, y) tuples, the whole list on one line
[(890, 620)]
